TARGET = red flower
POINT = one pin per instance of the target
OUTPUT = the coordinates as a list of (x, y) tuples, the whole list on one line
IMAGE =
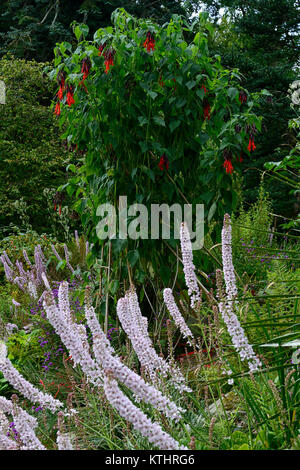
[(160, 81), (228, 165), (101, 48), (59, 209), (70, 93), (42, 383), (163, 163), (57, 109), (108, 63), (60, 93), (149, 43), (243, 97), (227, 154), (239, 159), (251, 145), (85, 69), (206, 109), (203, 88), (61, 78), (109, 59)]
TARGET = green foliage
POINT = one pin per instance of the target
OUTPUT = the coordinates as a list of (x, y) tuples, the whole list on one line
[(24, 346), (31, 154), (261, 38), (15, 244)]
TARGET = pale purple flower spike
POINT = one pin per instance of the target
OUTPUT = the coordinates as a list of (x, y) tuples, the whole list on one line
[(237, 333), (188, 265), (175, 313)]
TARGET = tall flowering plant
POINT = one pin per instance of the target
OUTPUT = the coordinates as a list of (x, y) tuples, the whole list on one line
[(138, 90)]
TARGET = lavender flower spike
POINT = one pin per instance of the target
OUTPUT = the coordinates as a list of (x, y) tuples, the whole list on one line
[(23, 386), (228, 268), (175, 313), (139, 420), (24, 424), (188, 265), (237, 333), (63, 441), (77, 239)]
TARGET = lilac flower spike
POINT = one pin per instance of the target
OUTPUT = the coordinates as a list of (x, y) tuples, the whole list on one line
[(63, 441), (237, 333), (142, 390), (24, 425), (175, 313), (77, 239), (23, 386), (188, 265), (7, 269), (61, 319), (136, 328), (139, 420)]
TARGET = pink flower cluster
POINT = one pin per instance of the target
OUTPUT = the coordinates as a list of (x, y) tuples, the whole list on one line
[(60, 318)]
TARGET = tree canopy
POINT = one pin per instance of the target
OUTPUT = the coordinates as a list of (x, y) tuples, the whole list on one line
[(31, 29)]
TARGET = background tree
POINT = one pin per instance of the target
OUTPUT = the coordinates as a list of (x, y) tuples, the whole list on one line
[(32, 156), (261, 38), (31, 29)]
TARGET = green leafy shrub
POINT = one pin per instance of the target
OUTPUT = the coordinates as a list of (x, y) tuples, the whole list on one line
[(31, 153), (158, 118)]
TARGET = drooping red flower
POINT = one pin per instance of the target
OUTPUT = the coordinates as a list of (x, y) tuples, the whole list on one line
[(60, 93), (70, 93), (228, 166), (85, 69), (227, 154), (149, 43), (203, 88), (57, 109), (163, 163), (101, 48), (61, 79), (86, 66), (109, 59), (239, 159), (175, 86), (251, 145), (243, 97), (206, 109), (251, 130)]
